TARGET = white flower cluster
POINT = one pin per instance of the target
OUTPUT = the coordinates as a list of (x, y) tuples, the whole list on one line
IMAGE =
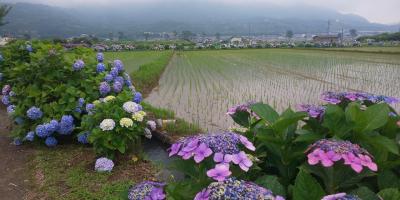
[(107, 125), (131, 107)]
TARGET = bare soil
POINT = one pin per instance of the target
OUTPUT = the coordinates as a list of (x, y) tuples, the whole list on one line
[(14, 164)]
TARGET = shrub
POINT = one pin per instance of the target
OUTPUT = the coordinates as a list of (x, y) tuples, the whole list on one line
[(114, 124), (47, 87)]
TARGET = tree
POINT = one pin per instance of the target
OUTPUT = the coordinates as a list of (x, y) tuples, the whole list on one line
[(187, 35), (4, 9), (289, 34), (353, 33)]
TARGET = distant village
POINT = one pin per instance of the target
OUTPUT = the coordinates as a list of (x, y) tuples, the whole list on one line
[(190, 41)]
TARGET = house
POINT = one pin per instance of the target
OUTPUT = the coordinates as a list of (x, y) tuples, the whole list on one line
[(237, 42), (326, 39), (5, 40)]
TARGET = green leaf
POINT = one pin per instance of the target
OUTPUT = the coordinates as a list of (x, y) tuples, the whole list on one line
[(265, 111), (383, 142), (272, 183), (306, 187), (335, 121), (388, 179), (365, 193), (307, 136), (390, 194), (289, 119), (372, 118)]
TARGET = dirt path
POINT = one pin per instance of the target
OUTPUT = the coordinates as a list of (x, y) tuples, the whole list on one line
[(14, 169)]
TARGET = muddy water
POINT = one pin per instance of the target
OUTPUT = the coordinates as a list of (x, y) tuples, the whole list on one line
[(201, 86)]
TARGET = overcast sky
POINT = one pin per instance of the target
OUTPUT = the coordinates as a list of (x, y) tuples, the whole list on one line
[(381, 11)]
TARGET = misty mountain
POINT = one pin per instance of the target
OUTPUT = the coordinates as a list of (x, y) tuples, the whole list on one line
[(48, 21)]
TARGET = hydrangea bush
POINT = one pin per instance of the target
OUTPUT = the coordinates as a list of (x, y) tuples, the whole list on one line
[(44, 88), (114, 124), (347, 148)]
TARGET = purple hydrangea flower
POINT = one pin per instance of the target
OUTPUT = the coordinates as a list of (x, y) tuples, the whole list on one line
[(235, 189), (108, 78), (117, 87), (119, 65), (11, 109), (6, 90), (100, 68), (341, 196), (104, 165), (138, 97), (104, 88), (147, 190), (78, 65), (83, 138), (6, 100), (338, 97), (330, 151), (114, 72), (51, 142), (312, 110), (81, 101), (34, 113), (30, 136), (220, 172), (226, 146), (100, 57), (66, 125), (119, 79)]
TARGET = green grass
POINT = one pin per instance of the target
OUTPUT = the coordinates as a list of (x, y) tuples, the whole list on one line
[(134, 59), (67, 172), (180, 128), (146, 77)]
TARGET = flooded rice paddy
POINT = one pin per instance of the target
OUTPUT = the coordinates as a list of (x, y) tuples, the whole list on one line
[(201, 85)]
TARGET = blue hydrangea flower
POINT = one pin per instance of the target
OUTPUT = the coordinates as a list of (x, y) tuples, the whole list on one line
[(100, 57), (117, 86), (30, 136), (104, 88), (78, 65), (6, 100), (12, 94), (29, 48), (10, 109), (114, 72), (119, 79), (83, 138), (108, 78), (138, 97), (81, 101), (53, 126), (17, 141), (51, 141), (128, 83), (100, 67), (34, 113), (78, 110), (19, 120), (89, 107), (104, 165), (42, 131), (119, 65), (66, 125)]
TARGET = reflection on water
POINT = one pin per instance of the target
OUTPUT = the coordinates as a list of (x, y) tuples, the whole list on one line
[(156, 152)]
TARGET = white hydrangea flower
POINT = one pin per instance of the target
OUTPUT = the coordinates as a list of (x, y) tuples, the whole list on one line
[(147, 133), (107, 125), (104, 165), (152, 125), (131, 107), (139, 116)]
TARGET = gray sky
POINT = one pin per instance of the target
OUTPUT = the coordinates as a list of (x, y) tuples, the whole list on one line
[(381, 11)]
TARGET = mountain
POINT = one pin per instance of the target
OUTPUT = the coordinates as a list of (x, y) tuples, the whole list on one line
[(48, 21)]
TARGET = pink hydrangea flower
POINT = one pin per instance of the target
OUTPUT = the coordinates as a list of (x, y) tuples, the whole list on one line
[(220, 172)]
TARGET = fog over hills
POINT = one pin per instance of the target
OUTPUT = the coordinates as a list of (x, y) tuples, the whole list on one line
[(49, 21)]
